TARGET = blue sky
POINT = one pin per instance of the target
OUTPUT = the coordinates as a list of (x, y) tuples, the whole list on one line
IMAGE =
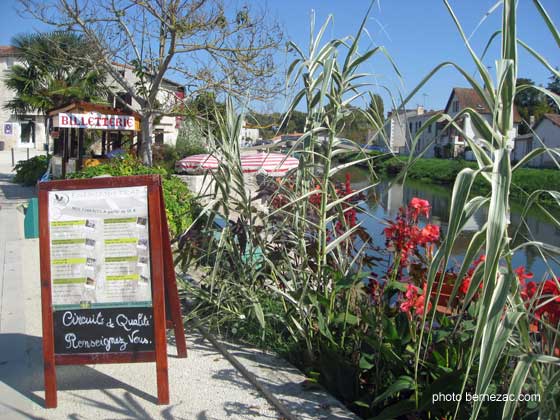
[(417, 33)]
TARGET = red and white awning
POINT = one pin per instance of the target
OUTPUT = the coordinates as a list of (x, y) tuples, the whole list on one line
[(196, 163), (273, 164)]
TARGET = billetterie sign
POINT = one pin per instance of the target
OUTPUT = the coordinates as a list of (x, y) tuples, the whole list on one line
[(95, 120)]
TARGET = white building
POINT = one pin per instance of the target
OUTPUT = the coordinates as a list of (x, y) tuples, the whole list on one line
[(248, 134), (171, 93), (400, 128), (427, 138), (451, 142), (546, 132), (26, 131)]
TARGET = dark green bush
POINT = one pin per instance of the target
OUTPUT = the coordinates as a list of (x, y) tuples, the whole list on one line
[(392, 166), (179, 204), (29, 171)]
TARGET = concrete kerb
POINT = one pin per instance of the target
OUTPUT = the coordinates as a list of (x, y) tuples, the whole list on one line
[(268, 373)]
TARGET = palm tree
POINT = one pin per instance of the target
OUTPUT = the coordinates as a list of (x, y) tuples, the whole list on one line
[(52, 72)]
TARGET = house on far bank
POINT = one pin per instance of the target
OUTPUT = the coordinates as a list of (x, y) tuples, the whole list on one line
[(395, 132), (545, 132), (24, 131), (400, 129), (451, 143), (427, 138)]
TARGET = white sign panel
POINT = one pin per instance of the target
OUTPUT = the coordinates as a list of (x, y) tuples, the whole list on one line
[(100, 248), (95, 120)]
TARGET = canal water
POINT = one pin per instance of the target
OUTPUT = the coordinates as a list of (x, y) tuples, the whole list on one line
[(384, 200)]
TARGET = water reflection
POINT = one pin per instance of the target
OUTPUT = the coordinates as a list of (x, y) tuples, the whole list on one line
[(385, 200)]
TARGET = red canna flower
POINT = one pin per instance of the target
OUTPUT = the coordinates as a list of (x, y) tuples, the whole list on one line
[(414, 300), (418, 206), (522, 275), (546, 300), (430, 233)]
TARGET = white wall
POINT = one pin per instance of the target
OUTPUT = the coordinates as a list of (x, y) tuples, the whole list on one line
[(7, 119), (549, 134)]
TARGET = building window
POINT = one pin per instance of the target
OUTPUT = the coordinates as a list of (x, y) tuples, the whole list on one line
[(27, 132), (430, 128), (455, 106), (159, 136), (410, 127)]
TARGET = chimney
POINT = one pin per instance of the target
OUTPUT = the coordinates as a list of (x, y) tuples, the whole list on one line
[(419, 110), (531, 120)]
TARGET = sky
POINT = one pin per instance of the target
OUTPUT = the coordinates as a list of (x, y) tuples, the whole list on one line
[(418, 34)]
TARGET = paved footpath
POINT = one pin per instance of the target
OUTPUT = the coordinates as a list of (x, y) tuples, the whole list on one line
[(205, 386)]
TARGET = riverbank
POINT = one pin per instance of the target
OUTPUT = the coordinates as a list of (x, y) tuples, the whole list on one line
[(525, 181)]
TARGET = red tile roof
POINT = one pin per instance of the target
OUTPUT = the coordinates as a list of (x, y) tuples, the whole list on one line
[(7, 50), (469, 98)]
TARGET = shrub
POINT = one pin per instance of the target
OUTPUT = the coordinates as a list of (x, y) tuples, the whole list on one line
[(165, 156), (392, 166), (29, 171), (190, 140), (178, 199)]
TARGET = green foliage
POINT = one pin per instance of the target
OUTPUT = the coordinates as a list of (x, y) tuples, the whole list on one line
[(530, 103), (54, 71), (357, 124), (179, 204), (165, 156), (275, 123), (191, 140), (29, 171), (554, 86)]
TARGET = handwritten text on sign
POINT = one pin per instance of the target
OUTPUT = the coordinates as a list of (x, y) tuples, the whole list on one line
[(110, 330), (95, 120)]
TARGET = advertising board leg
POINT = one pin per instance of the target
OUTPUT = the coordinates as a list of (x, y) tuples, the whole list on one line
[(154, 198), (49, 366)]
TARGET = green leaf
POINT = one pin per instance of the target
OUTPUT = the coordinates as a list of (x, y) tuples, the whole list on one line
[(516, 385), (349, 319), (365, 363), (403, 383), (398, 409)]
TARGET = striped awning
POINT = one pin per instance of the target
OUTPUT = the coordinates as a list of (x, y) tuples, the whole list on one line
[(274, 164), (196, 163)]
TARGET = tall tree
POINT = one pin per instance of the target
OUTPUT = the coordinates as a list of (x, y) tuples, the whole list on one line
[(530, 103), (197, 42), (554, 86), (376, 109), (50, 74)]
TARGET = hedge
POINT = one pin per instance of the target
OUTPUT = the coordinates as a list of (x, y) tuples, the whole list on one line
[(444, 172)]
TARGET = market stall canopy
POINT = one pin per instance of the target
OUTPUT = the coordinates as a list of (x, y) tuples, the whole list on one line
[(273, 164), (94, 117)]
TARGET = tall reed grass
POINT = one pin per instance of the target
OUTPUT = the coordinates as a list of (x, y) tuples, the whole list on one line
[(298, 271)]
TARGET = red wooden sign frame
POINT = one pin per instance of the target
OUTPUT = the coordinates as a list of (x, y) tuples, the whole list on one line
[(164, 286)]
